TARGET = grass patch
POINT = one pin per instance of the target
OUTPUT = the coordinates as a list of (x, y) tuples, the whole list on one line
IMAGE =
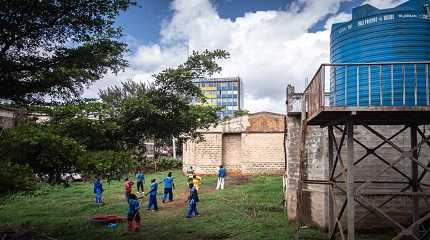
[(248, 209)]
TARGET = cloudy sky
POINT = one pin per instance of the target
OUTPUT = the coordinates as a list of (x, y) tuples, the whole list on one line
[(272, 42)]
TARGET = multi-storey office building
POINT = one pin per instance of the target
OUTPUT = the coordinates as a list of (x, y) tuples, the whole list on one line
[(224, 92)]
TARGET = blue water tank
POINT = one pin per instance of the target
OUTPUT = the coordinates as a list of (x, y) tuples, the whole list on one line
[(400, 34)]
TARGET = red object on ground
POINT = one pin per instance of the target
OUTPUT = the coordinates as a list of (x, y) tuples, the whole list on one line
[(106, 219)]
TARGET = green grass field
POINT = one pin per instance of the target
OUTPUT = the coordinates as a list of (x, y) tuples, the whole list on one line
[(249, 208)]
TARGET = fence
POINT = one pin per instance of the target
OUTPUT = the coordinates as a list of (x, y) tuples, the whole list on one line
[(364, 85)]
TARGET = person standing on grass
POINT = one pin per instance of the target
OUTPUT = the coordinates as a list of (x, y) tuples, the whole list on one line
[(190, 173), (192, 200), (140, 180), (168, 186), (127, 188), (221, 175), (133, 216), (153, 195), (196, 181), (98, 190)]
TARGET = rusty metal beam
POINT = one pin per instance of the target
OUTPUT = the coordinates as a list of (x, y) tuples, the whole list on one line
[(414, 180), (399, 149), (350, 182), (409, 231), (404, 154), (372, 151), (338, 150), (381, 205), (332, 198), (337, 223)]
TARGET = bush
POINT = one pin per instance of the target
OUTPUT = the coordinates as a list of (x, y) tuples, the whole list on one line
[(15, 177), (166, 163), (107, 164), (42, 149)]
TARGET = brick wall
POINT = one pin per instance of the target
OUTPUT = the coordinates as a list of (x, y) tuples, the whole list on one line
[(231, 149), (204, 156), (262, 153), (241, 154), (248, 145)]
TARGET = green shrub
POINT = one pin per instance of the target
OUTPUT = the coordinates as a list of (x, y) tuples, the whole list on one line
[(15, 177), (41, 148), (166, 163), (107, 164)]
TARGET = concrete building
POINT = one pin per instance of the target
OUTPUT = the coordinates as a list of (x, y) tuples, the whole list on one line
[(10, 116), (246, 145), (224, 92), (315, 198)]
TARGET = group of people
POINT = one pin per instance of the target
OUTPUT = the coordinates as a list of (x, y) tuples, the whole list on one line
[(133, 216)]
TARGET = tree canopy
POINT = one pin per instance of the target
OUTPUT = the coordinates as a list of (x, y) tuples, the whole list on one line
[(163, 109), (106, 137), (56, 48)]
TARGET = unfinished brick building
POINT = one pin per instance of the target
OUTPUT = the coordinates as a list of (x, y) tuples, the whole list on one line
[(246, 145)]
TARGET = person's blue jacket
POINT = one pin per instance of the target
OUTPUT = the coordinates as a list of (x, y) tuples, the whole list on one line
[(140, 177), (153, 190), (98, 186), (168, 182), (133, 207), (221, 172)]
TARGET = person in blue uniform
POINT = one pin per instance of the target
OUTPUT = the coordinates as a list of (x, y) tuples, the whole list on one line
[(153, 195), (193, 198), (140, 180), (221, 175), (98, 190), (133, 216), (169, 185)]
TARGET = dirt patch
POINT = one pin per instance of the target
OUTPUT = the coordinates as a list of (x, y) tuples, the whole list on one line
[(180, 195), (8, 233)]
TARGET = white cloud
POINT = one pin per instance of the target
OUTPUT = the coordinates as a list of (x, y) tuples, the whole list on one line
[(269, 49), (381, 4)]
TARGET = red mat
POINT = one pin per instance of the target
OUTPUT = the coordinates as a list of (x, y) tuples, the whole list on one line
[(106, 219)]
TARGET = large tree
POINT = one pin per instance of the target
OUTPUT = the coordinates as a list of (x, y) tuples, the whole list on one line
[(163, 109), (56, 48)]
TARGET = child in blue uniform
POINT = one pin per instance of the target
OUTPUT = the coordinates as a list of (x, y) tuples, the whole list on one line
[(221, 175), (133, 216), (168, 185), (153, 195), (193, 198), (140, 179), (98, 190)]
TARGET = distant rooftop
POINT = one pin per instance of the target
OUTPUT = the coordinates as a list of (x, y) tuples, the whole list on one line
[(224, 79)]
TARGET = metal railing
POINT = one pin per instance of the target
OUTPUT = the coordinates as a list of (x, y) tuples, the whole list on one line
[(365, 85)]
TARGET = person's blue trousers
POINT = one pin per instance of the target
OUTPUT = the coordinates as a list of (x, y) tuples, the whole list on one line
[(168, 193), (192, 209), (152, 202), (99, 198)]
